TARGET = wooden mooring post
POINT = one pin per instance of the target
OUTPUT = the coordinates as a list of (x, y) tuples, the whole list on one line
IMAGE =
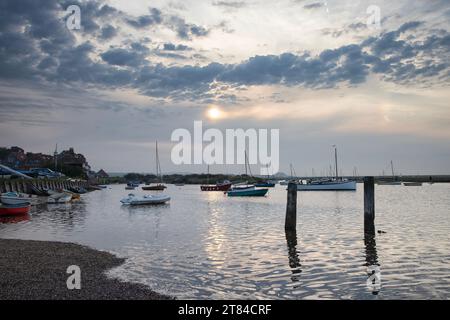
[(291, 208), (369, 205)]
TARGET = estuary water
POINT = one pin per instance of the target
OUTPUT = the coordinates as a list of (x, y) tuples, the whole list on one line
[(204, 245)]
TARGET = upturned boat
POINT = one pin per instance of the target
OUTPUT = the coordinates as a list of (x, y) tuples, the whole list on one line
[(148, 199), (14, 210)]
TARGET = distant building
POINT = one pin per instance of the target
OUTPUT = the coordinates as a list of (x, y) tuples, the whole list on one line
[(16, 158), (102, 174)]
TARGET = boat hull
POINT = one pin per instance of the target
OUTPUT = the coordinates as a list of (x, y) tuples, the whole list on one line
[(265, 185), (146, 200), (222, 187), (154, 188), (328, 186), (14, 210), (389, 183), (248, 193), (412, 184), (13, 198)]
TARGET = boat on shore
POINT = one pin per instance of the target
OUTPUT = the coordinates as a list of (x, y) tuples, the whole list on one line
[(247, 191), (16, 198), (14, 210), (149, 199)]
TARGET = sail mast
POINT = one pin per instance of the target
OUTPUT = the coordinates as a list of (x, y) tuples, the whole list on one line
[(392, 168), (336, 162)]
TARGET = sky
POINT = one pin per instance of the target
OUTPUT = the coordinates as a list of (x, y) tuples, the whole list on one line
[(322, 72)]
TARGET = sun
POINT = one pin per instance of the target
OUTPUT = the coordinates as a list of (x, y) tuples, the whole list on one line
[(214, 113)]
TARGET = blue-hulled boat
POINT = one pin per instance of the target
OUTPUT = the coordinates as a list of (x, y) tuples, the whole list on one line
[(248, 191)]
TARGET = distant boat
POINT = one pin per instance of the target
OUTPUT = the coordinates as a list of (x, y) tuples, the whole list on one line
[(336, 184), (220, 186), (265, 184), (328, 185), (130, 187), (248, 191), (14, 210), (153, 199), (155, 187), (179, 184), (412, 184), (393, 182), (159, 186), (59, 197)]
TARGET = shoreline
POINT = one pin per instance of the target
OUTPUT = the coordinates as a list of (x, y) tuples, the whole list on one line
[(36, 270)]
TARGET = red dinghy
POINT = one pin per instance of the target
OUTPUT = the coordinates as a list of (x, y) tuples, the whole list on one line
[(14, 210)]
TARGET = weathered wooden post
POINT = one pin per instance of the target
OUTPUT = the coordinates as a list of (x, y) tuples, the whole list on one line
[(291, 208), (369, 205)]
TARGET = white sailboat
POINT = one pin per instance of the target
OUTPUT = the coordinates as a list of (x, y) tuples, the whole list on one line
[(336, 184)]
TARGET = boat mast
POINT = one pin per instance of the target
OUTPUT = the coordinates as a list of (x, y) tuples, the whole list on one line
[(158, 165), (336, 162), (290, 165), (55, 154), (392, 169)]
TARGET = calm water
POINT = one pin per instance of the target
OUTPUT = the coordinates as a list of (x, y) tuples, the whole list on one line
[(205, 245)]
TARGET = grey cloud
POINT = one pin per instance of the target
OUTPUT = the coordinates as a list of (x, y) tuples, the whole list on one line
[(173, 47), (47, 52), (108, 32)]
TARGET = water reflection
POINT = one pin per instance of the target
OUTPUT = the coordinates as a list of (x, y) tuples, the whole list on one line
[(14, 219), (373, 267), (293, 255)]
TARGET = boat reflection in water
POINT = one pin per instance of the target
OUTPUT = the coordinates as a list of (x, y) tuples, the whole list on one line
[(14, 219)]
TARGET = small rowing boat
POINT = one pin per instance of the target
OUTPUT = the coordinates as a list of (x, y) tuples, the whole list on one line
[(135, 200), (13, 198)]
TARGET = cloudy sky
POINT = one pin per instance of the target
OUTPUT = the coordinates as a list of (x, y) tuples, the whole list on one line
[(316, 70)]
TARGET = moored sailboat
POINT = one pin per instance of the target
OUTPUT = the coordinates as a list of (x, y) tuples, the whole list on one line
[(336, 184), (158, 186)]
